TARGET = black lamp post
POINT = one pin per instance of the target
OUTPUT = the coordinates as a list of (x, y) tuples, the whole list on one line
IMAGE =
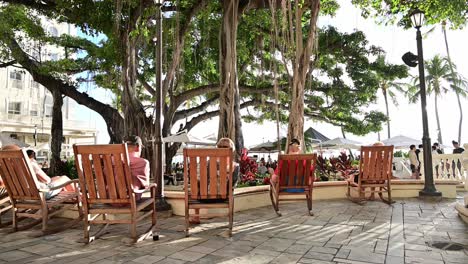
[(417, 19), (158, 150), (35, 135)]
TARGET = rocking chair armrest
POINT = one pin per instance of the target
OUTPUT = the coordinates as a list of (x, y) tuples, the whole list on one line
[(147, 189), (60, 186)]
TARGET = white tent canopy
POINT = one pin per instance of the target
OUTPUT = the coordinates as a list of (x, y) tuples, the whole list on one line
[(401, 141), (188, 139), (341, 143)]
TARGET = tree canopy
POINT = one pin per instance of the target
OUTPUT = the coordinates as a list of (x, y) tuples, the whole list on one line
[(455, 12), (115, 51)]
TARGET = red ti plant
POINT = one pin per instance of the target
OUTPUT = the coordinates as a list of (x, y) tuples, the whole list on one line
[(247, 164), (323, 168), (342, 164)]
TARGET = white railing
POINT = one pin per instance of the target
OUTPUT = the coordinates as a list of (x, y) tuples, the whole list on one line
[(449, 167)]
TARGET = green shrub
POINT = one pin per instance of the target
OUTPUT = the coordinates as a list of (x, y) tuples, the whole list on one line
[(69, 168)]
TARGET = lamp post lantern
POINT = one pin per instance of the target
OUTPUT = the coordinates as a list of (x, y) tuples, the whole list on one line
[(417, 19), (158, 147)]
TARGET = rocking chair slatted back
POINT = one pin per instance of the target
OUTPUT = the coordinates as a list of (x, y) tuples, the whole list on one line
[(295, 177), (17, 175), (208, 173), (375, 172), (107, 187), (104, 173), (297, 170), (376, 163)]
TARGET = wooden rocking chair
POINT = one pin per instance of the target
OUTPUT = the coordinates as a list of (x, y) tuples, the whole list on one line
[(29, 201), (295, 176), (375, 172), (106, 184), (210, 180), (5, 204)]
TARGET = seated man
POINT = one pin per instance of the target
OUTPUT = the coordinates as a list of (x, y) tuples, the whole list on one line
[(44, 181), (139, 167)]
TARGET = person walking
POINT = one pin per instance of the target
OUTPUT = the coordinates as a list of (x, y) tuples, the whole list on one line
[(413, 162), (457, 150)]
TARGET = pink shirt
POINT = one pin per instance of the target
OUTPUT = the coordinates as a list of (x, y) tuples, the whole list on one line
[(140, 169)]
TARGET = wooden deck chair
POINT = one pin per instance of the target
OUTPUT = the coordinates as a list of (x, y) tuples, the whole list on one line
[(107, 187), (5, 204), (210, 179), (295, 177), (27, 200), (375, 173)]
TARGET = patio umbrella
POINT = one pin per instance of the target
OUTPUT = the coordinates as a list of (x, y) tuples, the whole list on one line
[(264, 147), (6, 140), (188, 139), (314, 135), (341, 143), (401, 141)]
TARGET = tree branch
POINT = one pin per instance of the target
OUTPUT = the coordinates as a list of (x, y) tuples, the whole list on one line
[(111, 116), (194, 110), (6, 64), (180, 40), (146, 85), (45, 5)]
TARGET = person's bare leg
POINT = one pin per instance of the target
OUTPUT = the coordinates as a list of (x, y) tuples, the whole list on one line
[(57, 180)]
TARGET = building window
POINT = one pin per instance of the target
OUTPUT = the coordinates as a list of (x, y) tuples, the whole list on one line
[(14, 108), (16, 78), (34, 84), (48, 110), (33, 111)]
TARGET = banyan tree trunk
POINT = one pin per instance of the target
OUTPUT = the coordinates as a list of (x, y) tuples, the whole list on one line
[(56, 134), (229, 100), (301, 64)]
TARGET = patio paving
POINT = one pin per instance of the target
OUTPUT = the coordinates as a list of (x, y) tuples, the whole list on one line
[(340, 232)]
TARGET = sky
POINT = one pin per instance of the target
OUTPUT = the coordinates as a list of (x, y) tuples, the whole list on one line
[(406, 118)]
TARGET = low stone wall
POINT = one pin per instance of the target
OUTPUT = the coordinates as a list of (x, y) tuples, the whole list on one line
[(258, 196)]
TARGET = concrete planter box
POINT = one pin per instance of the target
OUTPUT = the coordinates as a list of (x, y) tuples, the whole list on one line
[(258, 196)]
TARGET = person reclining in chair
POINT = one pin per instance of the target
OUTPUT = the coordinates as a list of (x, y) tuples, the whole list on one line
[(43, 180)]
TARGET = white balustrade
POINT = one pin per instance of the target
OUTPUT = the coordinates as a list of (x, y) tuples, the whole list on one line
[(449, 167)]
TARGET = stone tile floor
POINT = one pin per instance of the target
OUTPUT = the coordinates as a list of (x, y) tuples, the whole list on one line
[(340, 232)]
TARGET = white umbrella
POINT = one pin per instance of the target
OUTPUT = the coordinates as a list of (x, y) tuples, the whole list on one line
[(188, 139), (401, 141), (6, 140), (341, 143)]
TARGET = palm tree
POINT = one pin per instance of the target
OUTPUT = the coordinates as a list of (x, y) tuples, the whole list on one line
[(439, 80), (387, 75), (454, 75)]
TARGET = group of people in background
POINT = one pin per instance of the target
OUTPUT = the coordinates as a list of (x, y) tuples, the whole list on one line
[(415, 158)]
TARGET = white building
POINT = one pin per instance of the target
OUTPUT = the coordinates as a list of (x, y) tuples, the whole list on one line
[(26, 106)]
